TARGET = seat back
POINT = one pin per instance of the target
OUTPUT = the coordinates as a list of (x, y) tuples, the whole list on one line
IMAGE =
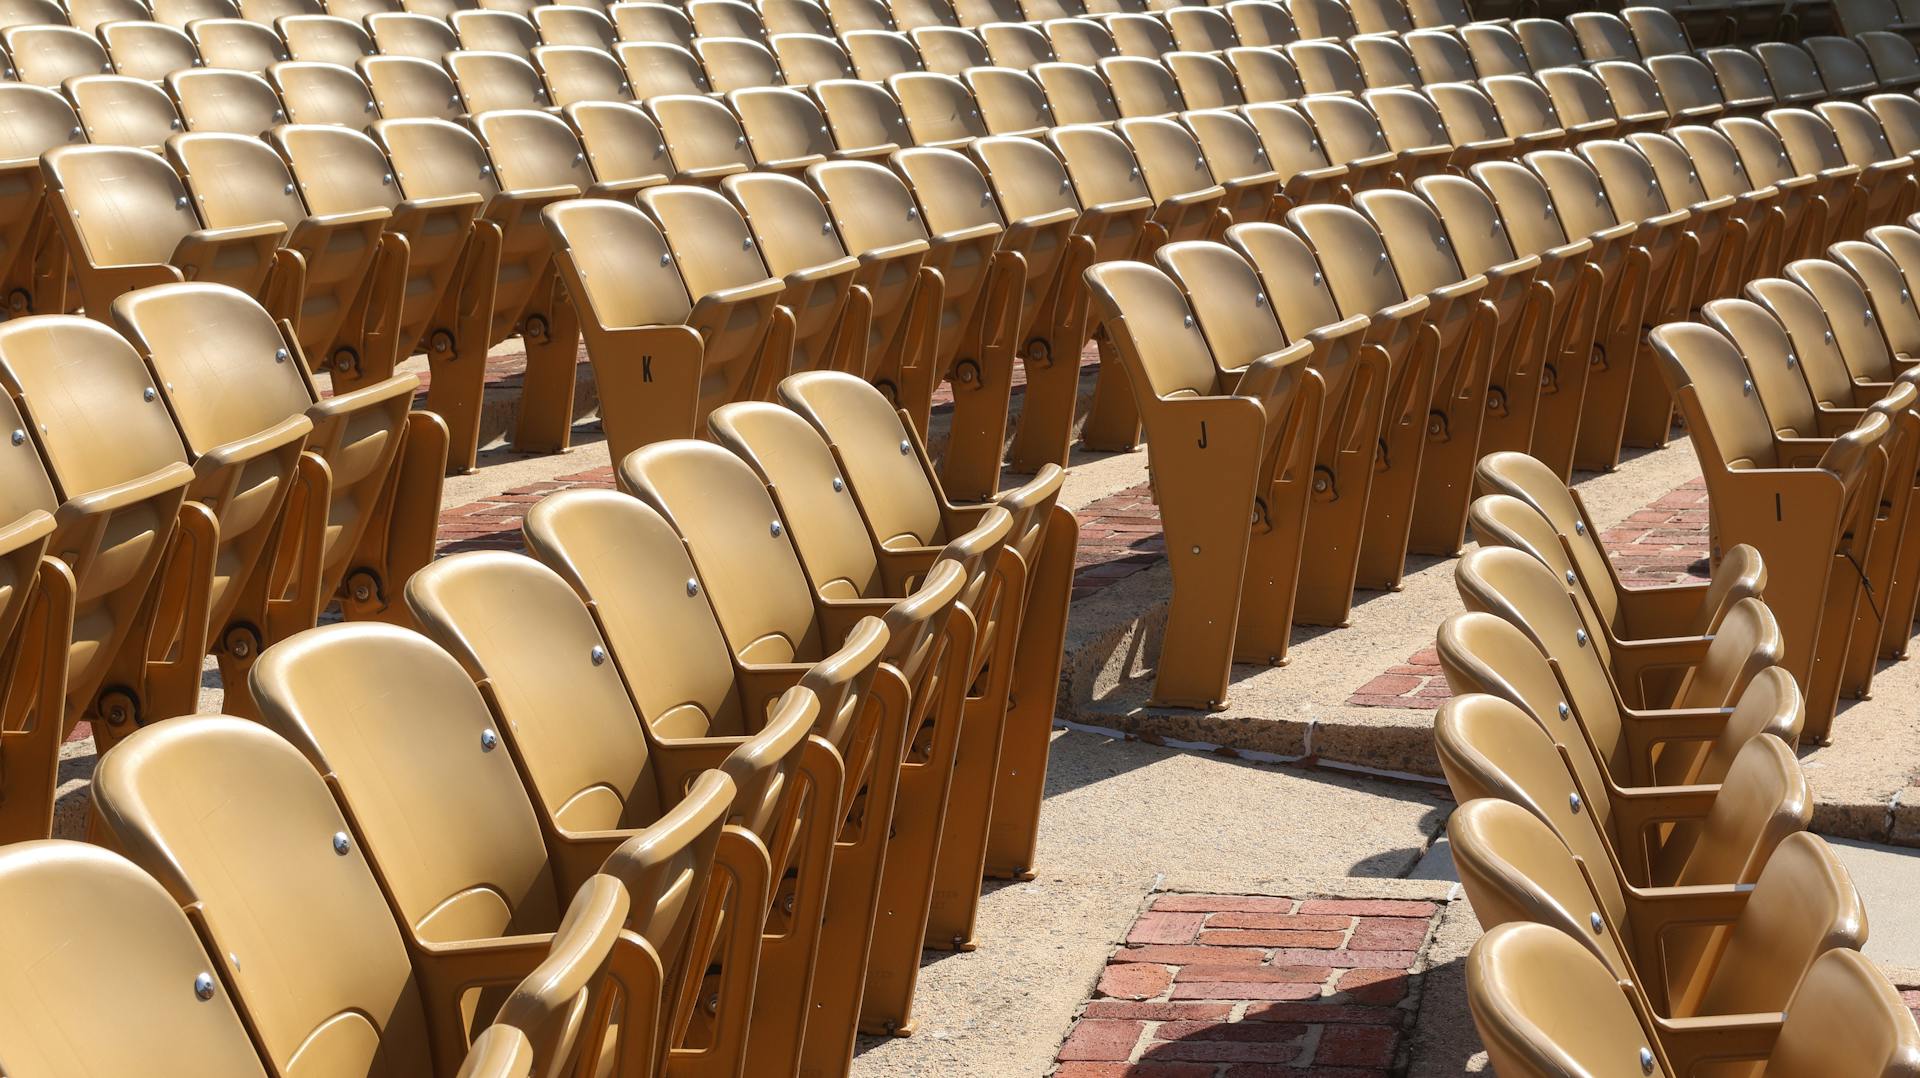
[(1169, 159), (565, 24), (1549, 43), (120, 110), (1441, 57), (796, 17), (407, 86), (237, 44), (1523, 105), (148, 50), (1545, 1005), (1142, 87), (1516, 868), (76, 910), (1155, 331), (1422, 255), (784, 128), (1843, 65), (1467, 112), (1323, 18), (324, 93), (1703, 363), (581, 73), (1204, 80), (1326, 67), (422, 37), (735, 62), (1478, 236), (898, 500), (1257, 22), (496, 80), (238, 827), (1011, 102), (1077, 94), (495, 30), (1716, 162), (1381, 16), (1358, 269), (1602, 35), (325, 38), (940, 110), (652, 22), (531, 150), (809, 58), (1743, 79), (1862, 140), (1140, 35), (1385, 62), (1844, 1018), (1579, 97), (1850, 318), (1899, 117), (1006, 44), (1763, 342), (1227, 299), (1685, 83), (1080, 41), (1583, 202), (48, 55), (703, 137), (878, 55), (1791, 70), (655, 68), (621, 141), (1656, 32), (1632, 89), (1104, 169), (1266, 74), (240, 102), (1295, 284), (1201, 29), (1495, 50)]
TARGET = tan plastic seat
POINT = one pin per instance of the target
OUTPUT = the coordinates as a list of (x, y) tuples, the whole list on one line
[(422, 37), (1265, 74), (1003, 44), (1381, 16), (90, 15), (1323, 18), (1384, 61), (496, 80), (796, 17), (1261, 22), (148, 50), (580, 73), (785, 129), (325, 39), (1549, 44), (1638, 99), (706, 493), (1719, 223), (1142, 87), (1077, 94), (666, 24), (1258, 475), (1201, 29), (1204, 80), (240, 102), (1885, 172), (1529, 114), (48, 55), (622, 143), (1791, 72), (409, 87), (79, 909), (1815, 206), (1440, 56), (726, 18), (878, 55), (1835, 493), (1656, 32), (1239, 163), (850, 15), (866, 121), (435, 160), (1762, 211), (939, 109), (748, 336), (1688, 87), (1896, 63), (1326, 67), (1842, 1000), (1844, 65), (1011, 102), (1495, 50), (1899, 121), (1602, 35), (324, 93), (732, 63), (1351, 135), (119, 110), (1586, 108), (971, 14), (905, 506), (655, 68), (1743, 79), (493, 30), (1080, 41), (1414, 126), (237, 44), (567, 24), (1470, 119), (703, 137), (33, 256), (809, 58), (799, 244), (1140, 35)]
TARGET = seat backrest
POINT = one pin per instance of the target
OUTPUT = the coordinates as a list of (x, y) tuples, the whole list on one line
[(726, 18), (1522, 103), (1862, 140), (940, 110), (1526, 206), (865, 119), (1228, 299), (1287, 267), (48, 55), (325, 38), (407, 86), (496, 80), (1771, 361), (1763, 799), (1150, 322), (236, 181), (746, 559), (1685, 83), (1815, 346), (533, 150), (237, 44), (1473, 224), (1201, 29), (1103, 167), (1381, 16), (710, 242), (666, 24), (870, 205), (1791, 70), (90, 15), (120, 110), (1514, 867), (240, 102), (1169, 158), (1602, 35), (878, 55), (809, 58), (1441, 57), (581, 73), (702, 135), (1846, 1018), (789, 222), (76, 910), (1077, 94), (1003, 44), (1582, 201), (404, 737), (1028, 179), (1495, 50), (1265, 74), (1204, 79), (796, 17), (1142, 87), (735, 62), (1140, 35), (1843, 65), (850, 15), (1895, 60), (621, 141), (1260, 22), (1231, 145), (1549, 43), (1656, 32), (566, 24), (900, 504), (1632, 88), (1384, 61), (238, 827), (1899, 116), (617, 263), (1080, 41), (1323, 18), (1359, 271), (784, 126), (1850, 317), (1579, 97), (495, 30), (1672, 166), (1716, 163), (1760, 147), (148, 50), (324, 93), (422, 37), (1467, 111), (1422, 255), (1326, 67), (1011, 102), (129, 206), (1408, 119), (1743, 78), (1544, 1005)]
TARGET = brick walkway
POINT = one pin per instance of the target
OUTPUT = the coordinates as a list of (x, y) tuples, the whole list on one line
[(1659, 544), (1119, 536), (493, 523), (1216, 986)]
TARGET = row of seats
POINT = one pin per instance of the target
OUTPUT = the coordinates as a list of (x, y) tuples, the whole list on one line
[(1490, 333), (775, 699), (1632, 829), (178, 490)]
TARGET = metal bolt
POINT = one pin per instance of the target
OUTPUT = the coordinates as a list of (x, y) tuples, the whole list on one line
[(203, 987), (1569, 576), (839, 484), (1565, 711), (1594, 920), (1573, 802), (1579, 527), (341, 843), (598, 655), (1646, 1060), (488, 739), (287, 189), (1196, 548), (1746, 388), (1187, 322), (181, 202), (693, 586), (147, 394), (906, 447), (19, 437), (279, 355), (773, 529), (665, 258), (1580, 637)]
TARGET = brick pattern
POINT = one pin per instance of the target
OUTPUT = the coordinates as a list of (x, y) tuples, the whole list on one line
[(1119, 536), (1222, 986), (493, 523), (1663, 543)]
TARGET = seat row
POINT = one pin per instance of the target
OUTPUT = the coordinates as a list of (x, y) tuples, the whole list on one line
[(1632, 828), (823, 754)]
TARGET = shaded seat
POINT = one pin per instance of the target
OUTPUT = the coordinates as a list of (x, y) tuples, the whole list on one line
[(878, 55), (799, 244), (623, 145), (1815, 205), (1441, 57), (939, 109), (33, 256), (785, 129), (1011, 102)]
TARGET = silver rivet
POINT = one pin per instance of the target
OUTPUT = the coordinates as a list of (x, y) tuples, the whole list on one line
[(203, 987), (913, 213), (693, 586), (1196, 548), (1569, 576), (665, 258), (579, 157), (598, 655), (1646, 1060), (826, 228), (1580, 637), (341, 843), (279, 355), (287, 190), (1187, 322), (740, 140), (839, 484), (1746, 388), (773, 529), (1579, 527), (180, 202), (19, 437), (1573, 802), (147, 394), (1792, 359), (488, 739), (746, 243), (174, 124), (75, 133), (1593, 919), (1829, 336), (905, 447), (1565, 711)]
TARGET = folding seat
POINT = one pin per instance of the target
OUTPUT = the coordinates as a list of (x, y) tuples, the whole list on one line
[(1815, 206), (442, 9), (1842, 1000), (1384, 61), (36, 632), (321, 93), (1602, 35), (1440, 57), (1812, 147), (866, 120), (1470, 118), (1381, 16), (1349, 254), (878, 55), (213, 99), (1548, 43), (1204, 80), (537, 151), (1352, 136), (1584, 105), (1323, 19), (798, 242), (90, 15), (785, 129), (851, 15), (1527, 112), (1720, 221), (496, 80), (973, 14), (1863, 141), (1262, 22), (435, 160), (432, 883), (148, 50), (1260, 476), (43, 55), (1265, 74), (422, 37), (1843, 65), (485, 30), (1896, 65), (1140, 35), (181, 12), (1201, 29), (1003, 44), (939, 109), (1619, 611), (664, 24), (1763, 210), (733, 62), (707, 494), (726, 18), (1326, 67), (1412, 124), (237, 44), (1640, 102), (622, 143), (407, 86), (580, 73), (119, 110), (1293, 149), (269, 12), (358, 10), (561, 24), (607, 767), (809, 58), (1077, 94), (1239, 163), (1438, 14), (1142, 87), (1687, 87), (1743, 79), (1836, 495), (1010, 102), (1080, 41), (703, 137), (1791, 72), (1043, 11), (655, 69), (910, 15), (1495, 50), (80, 909), (325, 38), (796, 17)]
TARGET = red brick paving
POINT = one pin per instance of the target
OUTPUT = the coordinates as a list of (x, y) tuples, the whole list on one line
[(1658, 544), (493, 523), (1225, 986), (1119, 536)]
